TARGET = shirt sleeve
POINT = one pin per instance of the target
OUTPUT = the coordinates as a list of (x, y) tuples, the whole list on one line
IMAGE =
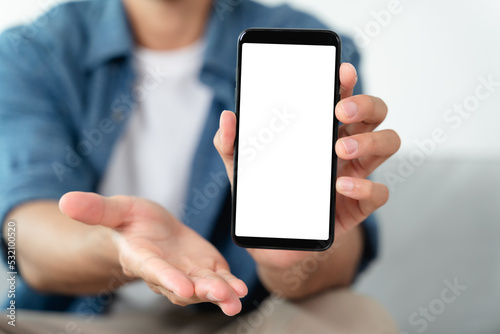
[(36, 137)]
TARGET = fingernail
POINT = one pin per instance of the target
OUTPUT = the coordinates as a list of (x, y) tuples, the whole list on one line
[(350, 145), (220, 125), (212, 297), (345, 184), (350, 109), (220, 118)]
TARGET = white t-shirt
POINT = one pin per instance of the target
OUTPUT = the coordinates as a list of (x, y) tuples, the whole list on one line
[(153, 157)]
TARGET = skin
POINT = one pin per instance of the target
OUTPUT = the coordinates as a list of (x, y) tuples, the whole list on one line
[(167, 24), (88, 241)]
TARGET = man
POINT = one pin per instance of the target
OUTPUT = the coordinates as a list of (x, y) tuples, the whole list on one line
[(124, 98)]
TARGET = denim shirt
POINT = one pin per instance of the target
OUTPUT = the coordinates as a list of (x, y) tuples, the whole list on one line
[(67, 89)]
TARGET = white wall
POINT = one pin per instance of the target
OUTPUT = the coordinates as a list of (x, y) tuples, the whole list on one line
[(21, 11), (428, 57)]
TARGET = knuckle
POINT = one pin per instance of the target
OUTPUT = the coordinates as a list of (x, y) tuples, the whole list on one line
[(392, 140), (378, 108), (384, 106), (384, 194), (376, 193), (365, 103), (371, 141), (369, 188), (395, 138), (370, 103)]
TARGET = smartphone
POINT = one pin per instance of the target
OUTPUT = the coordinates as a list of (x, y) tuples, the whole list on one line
[(287, 87)]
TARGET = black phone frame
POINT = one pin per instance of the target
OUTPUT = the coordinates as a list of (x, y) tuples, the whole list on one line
[(287, 36)]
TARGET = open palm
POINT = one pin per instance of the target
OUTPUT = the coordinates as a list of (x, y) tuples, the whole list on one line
[(154, 246)]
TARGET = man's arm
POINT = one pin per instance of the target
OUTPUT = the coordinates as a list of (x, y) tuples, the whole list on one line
[(59, 255), (317, 271), (96, 241)]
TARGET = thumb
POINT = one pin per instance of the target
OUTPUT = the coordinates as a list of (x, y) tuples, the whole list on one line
[(224, 140), (94, 209)]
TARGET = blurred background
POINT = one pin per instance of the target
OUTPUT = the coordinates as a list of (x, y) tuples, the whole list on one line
[(436, 64)]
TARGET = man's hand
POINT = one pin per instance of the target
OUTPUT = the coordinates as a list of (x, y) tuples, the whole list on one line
[(360, 151), (154, 246)]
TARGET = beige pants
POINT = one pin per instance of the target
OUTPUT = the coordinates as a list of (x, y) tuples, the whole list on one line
[(340, 311)]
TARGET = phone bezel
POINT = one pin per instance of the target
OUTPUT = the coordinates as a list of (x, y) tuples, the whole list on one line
[(287, 36)]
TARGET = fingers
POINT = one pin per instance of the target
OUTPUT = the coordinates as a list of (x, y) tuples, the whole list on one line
[(94, 209), (348, 78), (235, 283), (360, 113), (211, 287), (224, 140), (219, 288), (370, 149), (370, 195), (152, 268), (382, 143), (179, 286)]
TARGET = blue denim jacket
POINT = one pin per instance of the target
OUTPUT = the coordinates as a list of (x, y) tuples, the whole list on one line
[(67, 89)]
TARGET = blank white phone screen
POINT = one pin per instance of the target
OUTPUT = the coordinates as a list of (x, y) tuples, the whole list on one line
[(286, 129)]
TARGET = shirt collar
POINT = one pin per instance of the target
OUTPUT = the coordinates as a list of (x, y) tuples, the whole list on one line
[(110, 35), (221, 35), (220, 54)]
